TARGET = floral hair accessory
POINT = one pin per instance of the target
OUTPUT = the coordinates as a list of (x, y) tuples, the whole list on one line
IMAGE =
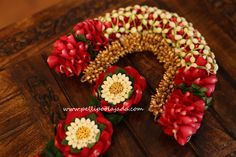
[(96, 44), (72, 53), (182, 115), (85, 134), (119, 88)]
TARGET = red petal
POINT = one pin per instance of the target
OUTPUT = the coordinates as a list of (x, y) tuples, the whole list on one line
[(54, 61), (77, 69), (209, 80), (98, 26), (94, 91), (108, 124), (96, 149), (201, 61), (126, 105), (186, 131), (112, 69), (71, 115), (84, 152), (100, 79), (106, 140), (199, 105), (142, 82), (71, 39), (60, 130), (138, 94), (182, 141), (185, 119), (210, 89), (132, 72)]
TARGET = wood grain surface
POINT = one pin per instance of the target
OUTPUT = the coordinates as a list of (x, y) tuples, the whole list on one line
[(31, 94)]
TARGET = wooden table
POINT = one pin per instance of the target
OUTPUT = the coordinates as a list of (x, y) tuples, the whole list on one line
[(31, 94)]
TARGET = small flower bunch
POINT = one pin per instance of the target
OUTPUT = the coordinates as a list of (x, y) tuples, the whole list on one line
[(184, 110), (92, 31), (83, 134), (119, 88), (72, 53), (182, 115), (198, 77)]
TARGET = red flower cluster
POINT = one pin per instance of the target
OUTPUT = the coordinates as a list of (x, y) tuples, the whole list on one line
[(100, 147), (182, 115), (69, 57), (92, 30), (139, 85), (71, 54), (197, 76)]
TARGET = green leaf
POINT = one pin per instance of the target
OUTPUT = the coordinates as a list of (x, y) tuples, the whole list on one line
[(195, 87), (119, 70), (203, 90), (50, 144), (92, 116), (114, 118), (64, 142), (75, 150), (58, 154), (131, 79), (98, 136), (99, 91), (90, 145), (65, 127), (109, 74), (94, 102), (81, 38), (92, 53), (208, 101), (182, 86), (48, 153), (101, 126), (51, 151), (130, 92), (199, 94)]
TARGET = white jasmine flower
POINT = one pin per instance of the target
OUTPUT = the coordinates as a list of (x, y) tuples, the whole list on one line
[(116, 88), (81, 133)]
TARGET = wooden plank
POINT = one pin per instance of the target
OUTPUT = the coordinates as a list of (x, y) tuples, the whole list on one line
[(22, 9), (40, 89), (43, 28), (20, 134), (202, 147), (8, 88), (211, 139), (224, 106), (123, 144)]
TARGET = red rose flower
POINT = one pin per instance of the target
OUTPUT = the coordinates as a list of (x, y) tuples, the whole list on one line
[(83, 134), (92, 31), (118, 89), (182, 115), (197, 76), (69, 57)]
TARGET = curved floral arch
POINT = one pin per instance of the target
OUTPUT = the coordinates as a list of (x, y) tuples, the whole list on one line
[(171, 38), (190, 67)]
